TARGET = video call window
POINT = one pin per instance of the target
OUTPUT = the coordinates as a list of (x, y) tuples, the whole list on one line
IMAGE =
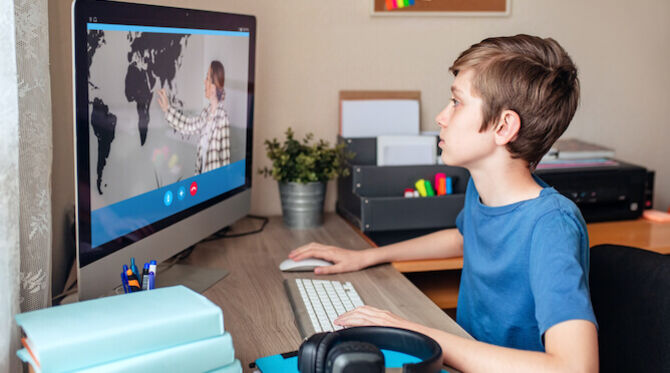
[(168, 122)]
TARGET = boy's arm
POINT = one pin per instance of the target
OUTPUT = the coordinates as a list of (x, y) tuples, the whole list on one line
[(571, 346), (442, 244), (446, 243)]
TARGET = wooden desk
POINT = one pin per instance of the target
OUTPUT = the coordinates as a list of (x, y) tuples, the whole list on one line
[(442, 287), (642, 233), (256, 309)]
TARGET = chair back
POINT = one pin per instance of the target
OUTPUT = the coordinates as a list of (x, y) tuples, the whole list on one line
[(630, 292)]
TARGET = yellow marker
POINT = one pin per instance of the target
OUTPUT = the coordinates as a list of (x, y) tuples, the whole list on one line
[(421, 187)]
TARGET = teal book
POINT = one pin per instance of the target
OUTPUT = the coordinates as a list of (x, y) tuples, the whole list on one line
[(104, 330), (212, 354)]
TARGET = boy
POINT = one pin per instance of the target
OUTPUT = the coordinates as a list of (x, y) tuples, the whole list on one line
[(524, 287)]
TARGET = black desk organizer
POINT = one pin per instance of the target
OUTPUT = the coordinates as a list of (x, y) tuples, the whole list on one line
[(371, 197)]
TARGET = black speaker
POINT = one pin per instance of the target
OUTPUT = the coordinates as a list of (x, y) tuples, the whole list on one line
[(357, 349), (649, 191)]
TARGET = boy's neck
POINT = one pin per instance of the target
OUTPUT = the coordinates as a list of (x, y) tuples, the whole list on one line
[(504, 182)]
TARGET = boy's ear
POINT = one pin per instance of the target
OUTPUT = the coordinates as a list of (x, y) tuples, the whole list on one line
[(507, 128)]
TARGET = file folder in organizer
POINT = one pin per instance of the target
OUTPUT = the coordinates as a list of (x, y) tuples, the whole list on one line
[(375, 113), (93, 332)]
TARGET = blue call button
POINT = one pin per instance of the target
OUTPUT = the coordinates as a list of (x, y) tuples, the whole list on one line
[(167, 198), (181, 193)]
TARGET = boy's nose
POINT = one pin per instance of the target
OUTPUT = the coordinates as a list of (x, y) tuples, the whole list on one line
[(441, 120)]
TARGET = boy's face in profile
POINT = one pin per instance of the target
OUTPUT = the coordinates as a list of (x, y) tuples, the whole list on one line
[(460, 140)]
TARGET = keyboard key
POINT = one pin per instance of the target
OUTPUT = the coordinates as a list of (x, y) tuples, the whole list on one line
[(325, 300)]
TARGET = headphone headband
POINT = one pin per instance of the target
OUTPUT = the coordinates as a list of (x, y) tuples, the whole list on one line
[(314, 350)]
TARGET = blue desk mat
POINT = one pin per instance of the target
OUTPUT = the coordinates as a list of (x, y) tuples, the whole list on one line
[(280, 364)]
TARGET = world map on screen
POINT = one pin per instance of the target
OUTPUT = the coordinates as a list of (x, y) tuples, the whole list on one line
[(152, 60)]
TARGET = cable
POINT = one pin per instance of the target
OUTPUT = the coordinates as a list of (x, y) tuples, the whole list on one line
[(63, 294), (222, 233)]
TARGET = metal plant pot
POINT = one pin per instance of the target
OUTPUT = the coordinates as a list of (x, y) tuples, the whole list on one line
[(302, 204)]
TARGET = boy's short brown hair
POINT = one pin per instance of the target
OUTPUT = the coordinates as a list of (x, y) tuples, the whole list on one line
[(532, 76)]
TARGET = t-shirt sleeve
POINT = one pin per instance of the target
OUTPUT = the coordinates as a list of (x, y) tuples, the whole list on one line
[(559, 262)]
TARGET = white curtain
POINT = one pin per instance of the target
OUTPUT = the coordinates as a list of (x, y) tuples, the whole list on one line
[(9, 191), (25, 168)]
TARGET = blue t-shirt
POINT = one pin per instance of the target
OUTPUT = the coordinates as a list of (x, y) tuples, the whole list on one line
[(525, 268)]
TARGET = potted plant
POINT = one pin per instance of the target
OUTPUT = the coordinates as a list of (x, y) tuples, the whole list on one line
[(302, 169)]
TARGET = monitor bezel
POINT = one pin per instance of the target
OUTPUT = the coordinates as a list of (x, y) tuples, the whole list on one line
[(111, 12)]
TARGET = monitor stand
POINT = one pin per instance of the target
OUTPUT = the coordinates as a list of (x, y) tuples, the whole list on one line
[(195, 278)]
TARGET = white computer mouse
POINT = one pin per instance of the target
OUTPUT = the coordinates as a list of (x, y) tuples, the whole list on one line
[(289, 265)]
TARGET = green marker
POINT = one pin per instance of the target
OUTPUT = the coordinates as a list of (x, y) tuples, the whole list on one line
[(429, 189)]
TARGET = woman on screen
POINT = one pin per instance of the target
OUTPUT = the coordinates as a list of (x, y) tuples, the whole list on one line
[(212, 124)]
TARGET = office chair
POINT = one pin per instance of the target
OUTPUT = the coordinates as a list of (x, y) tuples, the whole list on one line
[(630, 291)]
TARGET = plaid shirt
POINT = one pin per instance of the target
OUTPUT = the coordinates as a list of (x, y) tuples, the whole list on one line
[(218, 149)]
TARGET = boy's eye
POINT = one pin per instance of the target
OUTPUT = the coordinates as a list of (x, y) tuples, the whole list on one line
[(454, 101)]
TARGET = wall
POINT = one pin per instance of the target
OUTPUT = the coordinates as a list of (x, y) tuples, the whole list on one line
[(307, 51)]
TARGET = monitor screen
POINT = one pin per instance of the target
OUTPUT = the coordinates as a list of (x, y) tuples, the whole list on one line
[(163, 103)]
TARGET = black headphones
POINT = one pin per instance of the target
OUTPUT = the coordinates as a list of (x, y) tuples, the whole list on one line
[(357, 349)]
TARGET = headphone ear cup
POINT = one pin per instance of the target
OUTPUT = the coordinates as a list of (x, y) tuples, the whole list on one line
[(354, 357), (322, 350), (307, 353)]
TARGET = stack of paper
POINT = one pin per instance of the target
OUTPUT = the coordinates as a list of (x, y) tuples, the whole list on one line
[(165, 330), (578, 149)]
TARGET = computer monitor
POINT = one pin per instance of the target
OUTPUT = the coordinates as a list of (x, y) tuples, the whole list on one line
[(155, 175)]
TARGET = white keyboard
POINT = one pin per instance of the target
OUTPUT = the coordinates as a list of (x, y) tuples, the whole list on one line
[(323, 302)]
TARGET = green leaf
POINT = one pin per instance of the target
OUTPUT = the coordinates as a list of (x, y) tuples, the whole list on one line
[(305, 161)]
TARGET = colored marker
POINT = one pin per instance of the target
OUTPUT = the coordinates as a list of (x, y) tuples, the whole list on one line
[(152, 267), (133, 283), (409, 192), (449, 186), (133, 267), (429, 189), (145, 277), (152, 280), (124, 282), (441, 183), (421, 187), (125, 279)]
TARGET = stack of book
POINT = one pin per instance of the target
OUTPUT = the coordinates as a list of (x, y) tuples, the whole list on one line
[(170, 329)]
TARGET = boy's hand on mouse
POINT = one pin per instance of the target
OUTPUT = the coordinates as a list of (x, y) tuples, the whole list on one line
[(370, 316), (343, 260)]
